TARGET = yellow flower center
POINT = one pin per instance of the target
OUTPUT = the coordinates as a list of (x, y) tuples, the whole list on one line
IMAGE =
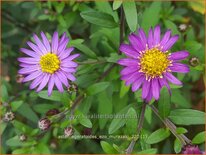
[(154, 62), (49, 63)]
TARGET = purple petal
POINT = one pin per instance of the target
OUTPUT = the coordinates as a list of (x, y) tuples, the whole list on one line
[(63, 46), (128, 50), (32, 76), (128, 70), (36, 81), (26, 65), (155, 88), (71, 57), (170, 43), (46, 42), (163, 82), (156, 35), (63, 78), (180, 55), (150, 39), (149, 97), (70, 76), (39, 44), (69, 70), (58, 83), (135, 42), (68, 64), (28, 60), (136, 85), (50, 85), (165, 38), (133, 78), (34, 48), (143, 37), (178, 67), (172, 78), (128, 62), (28, 70), (63, 38), (29, 52), (145, 89), (43, 82), (55, 43), (66, 53)]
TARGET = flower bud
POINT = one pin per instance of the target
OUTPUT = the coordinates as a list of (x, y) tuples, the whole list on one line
[(87, 131), (44, 124), (72, 88), (182, 27), (191, 149), (53, 144), (19, 78), (22, 137), (194, 61), (68, 132), (9, 116), (52, 112)]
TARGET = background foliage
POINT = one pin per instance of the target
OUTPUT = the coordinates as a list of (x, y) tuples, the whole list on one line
[(94, 29)]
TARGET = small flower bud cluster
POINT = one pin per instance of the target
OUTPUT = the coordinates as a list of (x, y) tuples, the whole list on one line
[(9, 116)]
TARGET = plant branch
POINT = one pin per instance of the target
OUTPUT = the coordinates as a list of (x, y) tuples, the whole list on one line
[(139, 128), (183, 139)]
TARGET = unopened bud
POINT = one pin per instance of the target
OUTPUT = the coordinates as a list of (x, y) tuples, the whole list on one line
[(9, 116), (68, 132), (52, 112), (44, 124), (194, 61), (191, 149), (72, 88), (53, 144), (19, 78), (87, 131), (182, 27)]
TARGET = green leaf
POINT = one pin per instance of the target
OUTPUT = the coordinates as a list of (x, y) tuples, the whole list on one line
[(26, 111), (181, 130), (56, 95), (193, 47), (130, 11), (42, 108), (177, 146), (83, 120), (97, 88), (15, 105), (108, 148), (4, 93), (118, 122), (2, 127), (104, 106), (87, 51), (21, 127), (114, 57), (99, 18), (164, 103), (123, 90), (131, 121), (199, 138), (116, 4), (158, 136), (151, 16), (59, 6), (14, 141), (148, 151), (187, 117), (198, 6), (172, 26), (179, 99)]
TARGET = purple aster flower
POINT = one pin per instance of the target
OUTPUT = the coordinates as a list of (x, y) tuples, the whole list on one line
[(191, 149), (149, 64), (48, 63)]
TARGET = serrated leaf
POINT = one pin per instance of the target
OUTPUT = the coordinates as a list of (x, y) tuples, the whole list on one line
[(107, 148), (187, 117), (97, 88), (99, 18), (164, 103), (199, 138), (130, 11), (158, 136)]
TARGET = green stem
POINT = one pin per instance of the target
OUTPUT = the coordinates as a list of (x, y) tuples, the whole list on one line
[(139, 128)]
